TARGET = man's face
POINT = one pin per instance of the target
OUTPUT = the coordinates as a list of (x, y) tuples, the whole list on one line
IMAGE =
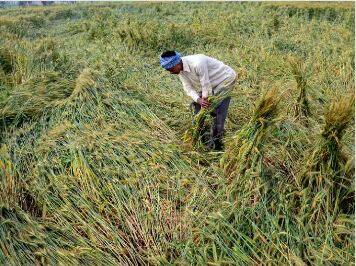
[(175, 70)]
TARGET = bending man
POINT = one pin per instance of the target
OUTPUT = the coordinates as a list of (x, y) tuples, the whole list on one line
[(201, 77)]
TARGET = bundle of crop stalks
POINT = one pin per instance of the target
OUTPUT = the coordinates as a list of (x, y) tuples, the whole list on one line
[(46, 51), (7, 64), (301, 107), (25, 240), (30, 99), (7, 178), (6, 59), (15, 62), (3, 77), (328, 176), (243, 152), (198, 135)]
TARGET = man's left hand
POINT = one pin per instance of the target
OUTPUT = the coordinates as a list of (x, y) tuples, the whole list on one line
[(204, 102)]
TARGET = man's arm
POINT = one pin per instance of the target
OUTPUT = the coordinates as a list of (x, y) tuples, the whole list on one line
[(188, 88), (202, 70)]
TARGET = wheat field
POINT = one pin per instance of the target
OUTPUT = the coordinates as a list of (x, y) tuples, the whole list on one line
[(96, 167)]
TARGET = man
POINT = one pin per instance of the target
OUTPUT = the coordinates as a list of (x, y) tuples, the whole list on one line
[(201, 77)]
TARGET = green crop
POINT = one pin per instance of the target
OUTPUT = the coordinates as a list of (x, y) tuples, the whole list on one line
[(94, 163)]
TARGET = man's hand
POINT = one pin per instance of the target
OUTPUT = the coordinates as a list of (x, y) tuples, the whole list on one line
[(203, 102)]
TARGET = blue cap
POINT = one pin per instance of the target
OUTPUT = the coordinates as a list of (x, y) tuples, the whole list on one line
[(169, 62)]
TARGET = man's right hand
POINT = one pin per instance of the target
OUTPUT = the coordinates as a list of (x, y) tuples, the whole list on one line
[(203, 102)]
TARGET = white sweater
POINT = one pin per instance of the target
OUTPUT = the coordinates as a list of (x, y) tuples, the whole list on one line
[(205, 74)]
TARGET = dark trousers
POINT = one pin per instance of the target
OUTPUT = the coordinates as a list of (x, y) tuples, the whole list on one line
[(219, 115)]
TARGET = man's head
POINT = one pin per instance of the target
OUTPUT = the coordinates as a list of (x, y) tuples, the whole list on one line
[(171, 61)]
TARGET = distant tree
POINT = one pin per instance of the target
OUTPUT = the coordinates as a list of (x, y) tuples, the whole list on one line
[(47, 3), (24, 3)]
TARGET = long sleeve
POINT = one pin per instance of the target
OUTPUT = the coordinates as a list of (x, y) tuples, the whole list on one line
[(187, 86), (202, 70)]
